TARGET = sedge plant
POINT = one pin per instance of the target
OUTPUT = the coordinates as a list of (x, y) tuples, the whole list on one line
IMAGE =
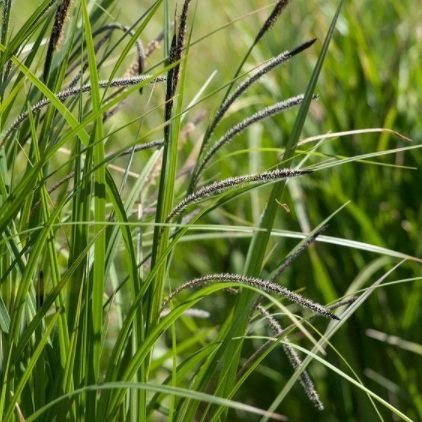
[(117, 206)]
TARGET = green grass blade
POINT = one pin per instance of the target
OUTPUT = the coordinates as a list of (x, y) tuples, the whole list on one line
[(259, 243), (331, 330), (180, 392), (28, 371), (98, 282)]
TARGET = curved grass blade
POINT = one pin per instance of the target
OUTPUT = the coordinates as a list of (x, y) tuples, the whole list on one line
[(331, 330), (352, 381), (259, 243), (176, 391), (28, 370), (166, 322)]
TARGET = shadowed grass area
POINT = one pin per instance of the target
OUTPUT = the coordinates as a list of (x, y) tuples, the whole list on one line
[(172, 228)]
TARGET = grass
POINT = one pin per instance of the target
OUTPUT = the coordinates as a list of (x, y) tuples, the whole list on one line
[(155, 261)]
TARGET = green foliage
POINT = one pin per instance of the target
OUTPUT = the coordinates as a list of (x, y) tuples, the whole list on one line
[(147, 269)]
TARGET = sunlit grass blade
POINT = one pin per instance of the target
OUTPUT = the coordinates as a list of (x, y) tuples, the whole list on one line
[(331, 330), (258, 246), (28, 371), (167, 390), (352, 381), (96, 289), (395, 341)]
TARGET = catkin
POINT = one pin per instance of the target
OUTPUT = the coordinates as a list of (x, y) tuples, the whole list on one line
[(260, 284)]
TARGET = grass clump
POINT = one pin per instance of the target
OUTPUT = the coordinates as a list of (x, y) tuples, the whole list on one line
[(114, 206)]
